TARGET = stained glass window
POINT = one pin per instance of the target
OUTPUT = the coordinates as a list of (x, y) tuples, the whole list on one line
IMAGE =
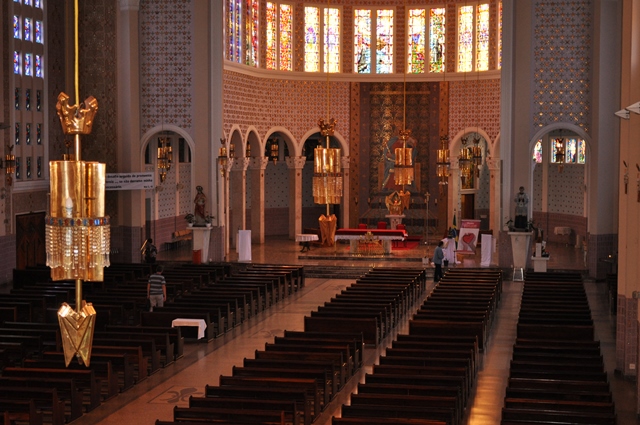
[(28, 64), (39, 167), (574, 150), (39, 73), (465, 39), (537, 152), (482, 38), (38, 4), (278, 36), (500, 35), (27, 99), (311, 39), (286, 37), (234, 30), (362, 40), (582, 151), (16, 99), (556, 144), (17, 63), (39, 134), (271, 39), (251, 33), (16, 134), (38, 100), (17, 33), (38, 30), (28, 167), (570, 150), (416, 33), (437, 33), (28, 29), (18, 168), (27, 133), (331, 40), (384, 42), (28, 2)]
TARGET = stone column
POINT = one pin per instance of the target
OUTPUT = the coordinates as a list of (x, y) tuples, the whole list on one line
[(258, 165), (346, 191), (295, 166), (495, 221), (128, 125), (223, 221), (239, 199)]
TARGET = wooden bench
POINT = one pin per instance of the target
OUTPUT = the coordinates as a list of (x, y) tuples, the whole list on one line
[(292, 414), (35, 401)]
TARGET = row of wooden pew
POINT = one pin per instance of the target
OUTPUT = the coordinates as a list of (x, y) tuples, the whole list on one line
[(557, 373), (294, 378), (426, 377), (127, 347)]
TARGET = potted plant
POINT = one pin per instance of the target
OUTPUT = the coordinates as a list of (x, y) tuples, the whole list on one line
[(208, 219), (190, 219)]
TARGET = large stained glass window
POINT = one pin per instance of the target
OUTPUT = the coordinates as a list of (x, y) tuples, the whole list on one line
[(437, 33), (251, 33), (482, 37), (362, 41), (416, 34), (465, 39), (234, 30), (321, 42), (384, 42), (373, 27), (574, 150), (311, 39), (473, 38), (28, 64), (279, 34), (331, 40)]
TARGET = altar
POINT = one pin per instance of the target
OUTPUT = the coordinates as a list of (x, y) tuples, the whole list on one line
[(354, 236)]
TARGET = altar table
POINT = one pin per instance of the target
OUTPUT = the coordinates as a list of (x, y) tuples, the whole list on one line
[(305, 239), (384, 235), (199, 323)]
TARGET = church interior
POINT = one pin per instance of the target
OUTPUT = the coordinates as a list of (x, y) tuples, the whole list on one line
[(343, 137)]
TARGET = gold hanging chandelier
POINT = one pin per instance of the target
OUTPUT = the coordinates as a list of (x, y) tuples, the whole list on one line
[(165, 158), (464, 161), (476, 154), (442, 161), (77, 230), (327, 170)]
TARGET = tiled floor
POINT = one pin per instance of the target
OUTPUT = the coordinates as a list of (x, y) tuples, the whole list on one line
[(204, 363)]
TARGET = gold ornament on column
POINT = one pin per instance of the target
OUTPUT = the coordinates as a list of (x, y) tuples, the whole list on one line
[(77, 231)]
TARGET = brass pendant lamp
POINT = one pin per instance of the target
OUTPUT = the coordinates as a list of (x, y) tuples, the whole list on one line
[(77, 230)]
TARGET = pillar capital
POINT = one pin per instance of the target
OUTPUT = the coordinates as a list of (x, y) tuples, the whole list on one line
[(259, 163), (241, 164), (296, 162)]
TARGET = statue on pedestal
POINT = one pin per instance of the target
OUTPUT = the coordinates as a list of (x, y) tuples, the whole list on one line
[(200, 203), (521, 200)]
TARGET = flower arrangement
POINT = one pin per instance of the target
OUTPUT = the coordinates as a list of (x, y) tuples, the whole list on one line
[(190, 218)]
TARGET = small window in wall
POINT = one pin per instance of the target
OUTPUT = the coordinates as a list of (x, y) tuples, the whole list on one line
[(537, 152), (568, 150)]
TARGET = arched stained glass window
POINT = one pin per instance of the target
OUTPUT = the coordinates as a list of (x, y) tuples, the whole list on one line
[(251, 33), (437, 33), (416, 34), (362, 41), (279, 36)]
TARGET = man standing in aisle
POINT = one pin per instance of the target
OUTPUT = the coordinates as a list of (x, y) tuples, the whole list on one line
[(156, 289), (438, 256)]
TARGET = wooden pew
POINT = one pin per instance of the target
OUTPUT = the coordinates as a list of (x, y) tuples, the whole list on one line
[(20, 411), (292, 414), (45, 401)]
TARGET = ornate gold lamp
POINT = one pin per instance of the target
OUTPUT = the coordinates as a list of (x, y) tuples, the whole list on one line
[(10, 165), (165, 157), (77, 231), (327, 180), (442, 162), (476, 154), (223, 157), (464, 162)]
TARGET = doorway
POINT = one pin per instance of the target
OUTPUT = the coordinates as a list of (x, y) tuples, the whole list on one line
[(30, 240)]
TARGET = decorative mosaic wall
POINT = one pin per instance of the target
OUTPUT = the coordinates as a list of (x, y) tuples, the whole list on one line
[(475, 103), (166, 63), (276, 186), (566, 189), (295, 105), (561, 88), (536, 197)]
